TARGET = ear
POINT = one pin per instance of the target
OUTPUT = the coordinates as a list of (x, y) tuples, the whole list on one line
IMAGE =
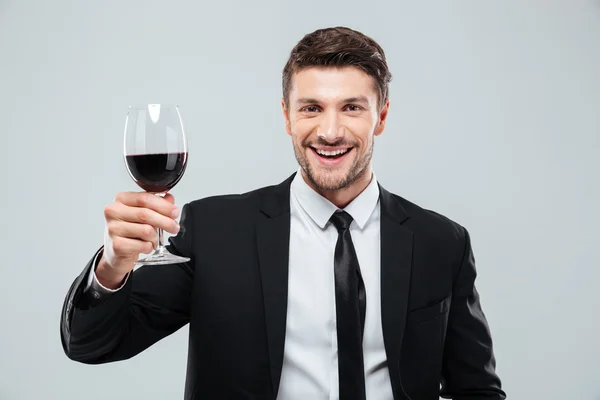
[(286, 117), (382, 118)]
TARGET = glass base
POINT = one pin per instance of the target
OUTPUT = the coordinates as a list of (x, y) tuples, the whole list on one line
[(161, 256)]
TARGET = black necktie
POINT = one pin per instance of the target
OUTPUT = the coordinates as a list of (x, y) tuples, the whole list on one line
[(350, 302)]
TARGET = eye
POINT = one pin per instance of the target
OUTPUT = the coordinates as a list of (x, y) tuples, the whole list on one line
[(310, 109), (353, 107)]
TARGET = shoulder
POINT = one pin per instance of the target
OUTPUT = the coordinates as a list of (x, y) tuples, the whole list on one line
[(231, 204), (433, 229), (424, 219)]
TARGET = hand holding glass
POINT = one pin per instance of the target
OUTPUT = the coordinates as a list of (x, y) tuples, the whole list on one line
[(156, 153)]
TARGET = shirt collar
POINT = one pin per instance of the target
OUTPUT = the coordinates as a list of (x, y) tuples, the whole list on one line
[(320, 209)]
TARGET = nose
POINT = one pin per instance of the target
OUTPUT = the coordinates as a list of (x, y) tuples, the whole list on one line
[(330, 129)]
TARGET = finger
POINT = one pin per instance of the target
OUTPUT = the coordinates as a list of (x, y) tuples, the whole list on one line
[(143, 232), (127, 247), (138, 215), (169, 197), (159, 204)]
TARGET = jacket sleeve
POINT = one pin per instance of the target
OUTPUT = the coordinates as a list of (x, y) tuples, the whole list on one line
[(469, 364), (153, 303)]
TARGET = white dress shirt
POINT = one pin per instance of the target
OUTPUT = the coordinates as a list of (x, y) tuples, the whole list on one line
[(310, 363)]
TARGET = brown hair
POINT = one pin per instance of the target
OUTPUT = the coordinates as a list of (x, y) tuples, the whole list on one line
[(339, 47)]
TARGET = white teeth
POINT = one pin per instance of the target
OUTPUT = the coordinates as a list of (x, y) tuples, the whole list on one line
[(331, 153)]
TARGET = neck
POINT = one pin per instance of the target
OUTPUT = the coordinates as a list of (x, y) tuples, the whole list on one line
[(342, 197)]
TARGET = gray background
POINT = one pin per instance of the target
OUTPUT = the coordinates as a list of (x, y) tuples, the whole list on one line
[(495, 122)]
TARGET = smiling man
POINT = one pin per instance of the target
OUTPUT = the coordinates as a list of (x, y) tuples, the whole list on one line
[(333, 114), (324, 286)]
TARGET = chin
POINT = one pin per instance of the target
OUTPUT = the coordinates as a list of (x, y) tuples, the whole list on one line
[(329, 179)]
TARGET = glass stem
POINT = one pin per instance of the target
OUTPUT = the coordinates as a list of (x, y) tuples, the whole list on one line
[(160, 239), (161, 246)]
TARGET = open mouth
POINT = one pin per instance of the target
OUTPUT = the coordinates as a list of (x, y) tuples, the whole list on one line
[(331, 156)]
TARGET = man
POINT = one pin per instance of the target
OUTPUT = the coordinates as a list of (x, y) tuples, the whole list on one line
[(324, 286)]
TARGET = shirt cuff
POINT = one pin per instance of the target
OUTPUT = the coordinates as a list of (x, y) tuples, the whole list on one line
[(95, 288)]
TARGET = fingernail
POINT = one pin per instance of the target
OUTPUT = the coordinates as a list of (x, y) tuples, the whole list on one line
[(175, 213), (177, 227)]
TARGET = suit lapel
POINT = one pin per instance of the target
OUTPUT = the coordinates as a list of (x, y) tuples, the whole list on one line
[(273, 238), (396, 262)]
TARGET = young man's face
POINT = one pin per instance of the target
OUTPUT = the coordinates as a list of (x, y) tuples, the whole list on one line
[(333, 117)]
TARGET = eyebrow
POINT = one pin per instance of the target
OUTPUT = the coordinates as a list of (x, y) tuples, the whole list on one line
[(357, 99)]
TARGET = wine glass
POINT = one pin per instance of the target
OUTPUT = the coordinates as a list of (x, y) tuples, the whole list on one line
[(156, 153)]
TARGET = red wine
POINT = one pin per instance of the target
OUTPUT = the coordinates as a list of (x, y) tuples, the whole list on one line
[(157, 173)]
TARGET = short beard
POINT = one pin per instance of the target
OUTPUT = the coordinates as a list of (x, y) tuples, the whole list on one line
[(327, 183)]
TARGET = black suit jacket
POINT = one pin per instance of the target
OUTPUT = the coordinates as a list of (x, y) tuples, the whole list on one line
[(234, 296)]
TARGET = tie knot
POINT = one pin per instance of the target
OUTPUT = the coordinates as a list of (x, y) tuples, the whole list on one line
[(341, 220)]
